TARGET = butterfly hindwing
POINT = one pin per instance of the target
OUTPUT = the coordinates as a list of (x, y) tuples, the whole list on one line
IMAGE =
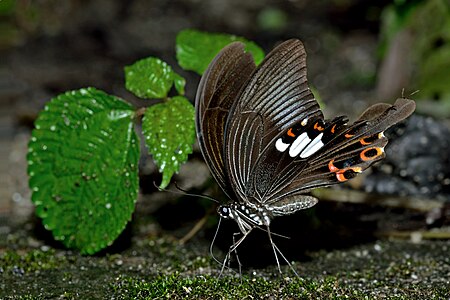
[(349, 151)]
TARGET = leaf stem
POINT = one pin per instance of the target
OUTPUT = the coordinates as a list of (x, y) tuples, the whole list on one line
[(140, 112)]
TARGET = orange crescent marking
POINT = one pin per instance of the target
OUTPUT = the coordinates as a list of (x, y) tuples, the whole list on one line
[(290, 133), (317, 126), (363, 142), (348, 135), (332, 167), (333, 128), (340, 176)]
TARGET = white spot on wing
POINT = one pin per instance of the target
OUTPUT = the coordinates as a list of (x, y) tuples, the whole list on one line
[(304, 122), (299, 144), (281, 146), (313, 147)]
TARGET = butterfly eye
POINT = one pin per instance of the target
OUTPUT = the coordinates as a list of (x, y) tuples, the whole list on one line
[(224, 211)]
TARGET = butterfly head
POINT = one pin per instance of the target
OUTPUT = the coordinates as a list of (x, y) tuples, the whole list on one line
[(246, 216), (225, 211)]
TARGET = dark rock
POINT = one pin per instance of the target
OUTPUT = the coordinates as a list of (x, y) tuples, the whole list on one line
[(417, 160)]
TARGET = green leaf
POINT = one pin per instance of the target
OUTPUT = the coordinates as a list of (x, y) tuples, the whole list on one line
[(83, 167), (180, 83), (169, 132), (196, 49), (151, 78)]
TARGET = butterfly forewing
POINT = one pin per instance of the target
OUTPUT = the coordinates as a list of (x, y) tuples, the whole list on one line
[(275, 98), (217, 91)]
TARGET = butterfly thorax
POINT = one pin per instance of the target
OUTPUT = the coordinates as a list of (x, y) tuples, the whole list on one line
[(247, 217)]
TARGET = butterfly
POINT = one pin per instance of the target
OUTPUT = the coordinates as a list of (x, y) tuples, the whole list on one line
[(266, 141)]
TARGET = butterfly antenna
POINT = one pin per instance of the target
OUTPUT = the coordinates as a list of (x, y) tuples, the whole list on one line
[(415, 92), (184, 193)]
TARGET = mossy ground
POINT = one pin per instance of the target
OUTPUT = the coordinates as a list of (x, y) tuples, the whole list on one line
[(161, 268)]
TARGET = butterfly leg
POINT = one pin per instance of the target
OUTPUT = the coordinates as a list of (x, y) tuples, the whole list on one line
[(225, 261), (275, 250), (232, 249), (236, 253)]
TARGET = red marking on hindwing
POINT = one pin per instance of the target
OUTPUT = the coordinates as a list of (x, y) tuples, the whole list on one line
[(340, 176), (332, 167), (363, 142), (340, 173), (370, 153)]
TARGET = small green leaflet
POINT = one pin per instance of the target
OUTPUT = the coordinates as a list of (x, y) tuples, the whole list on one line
[(169, 131), (196, 49), (83, 167), (151, 78)]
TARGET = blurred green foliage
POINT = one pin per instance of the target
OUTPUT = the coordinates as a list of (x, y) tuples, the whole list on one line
[(196, 49), (272, 19), (428, 22), (7, 7)]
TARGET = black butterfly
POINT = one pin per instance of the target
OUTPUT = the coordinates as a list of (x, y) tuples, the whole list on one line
[(266, 141)]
